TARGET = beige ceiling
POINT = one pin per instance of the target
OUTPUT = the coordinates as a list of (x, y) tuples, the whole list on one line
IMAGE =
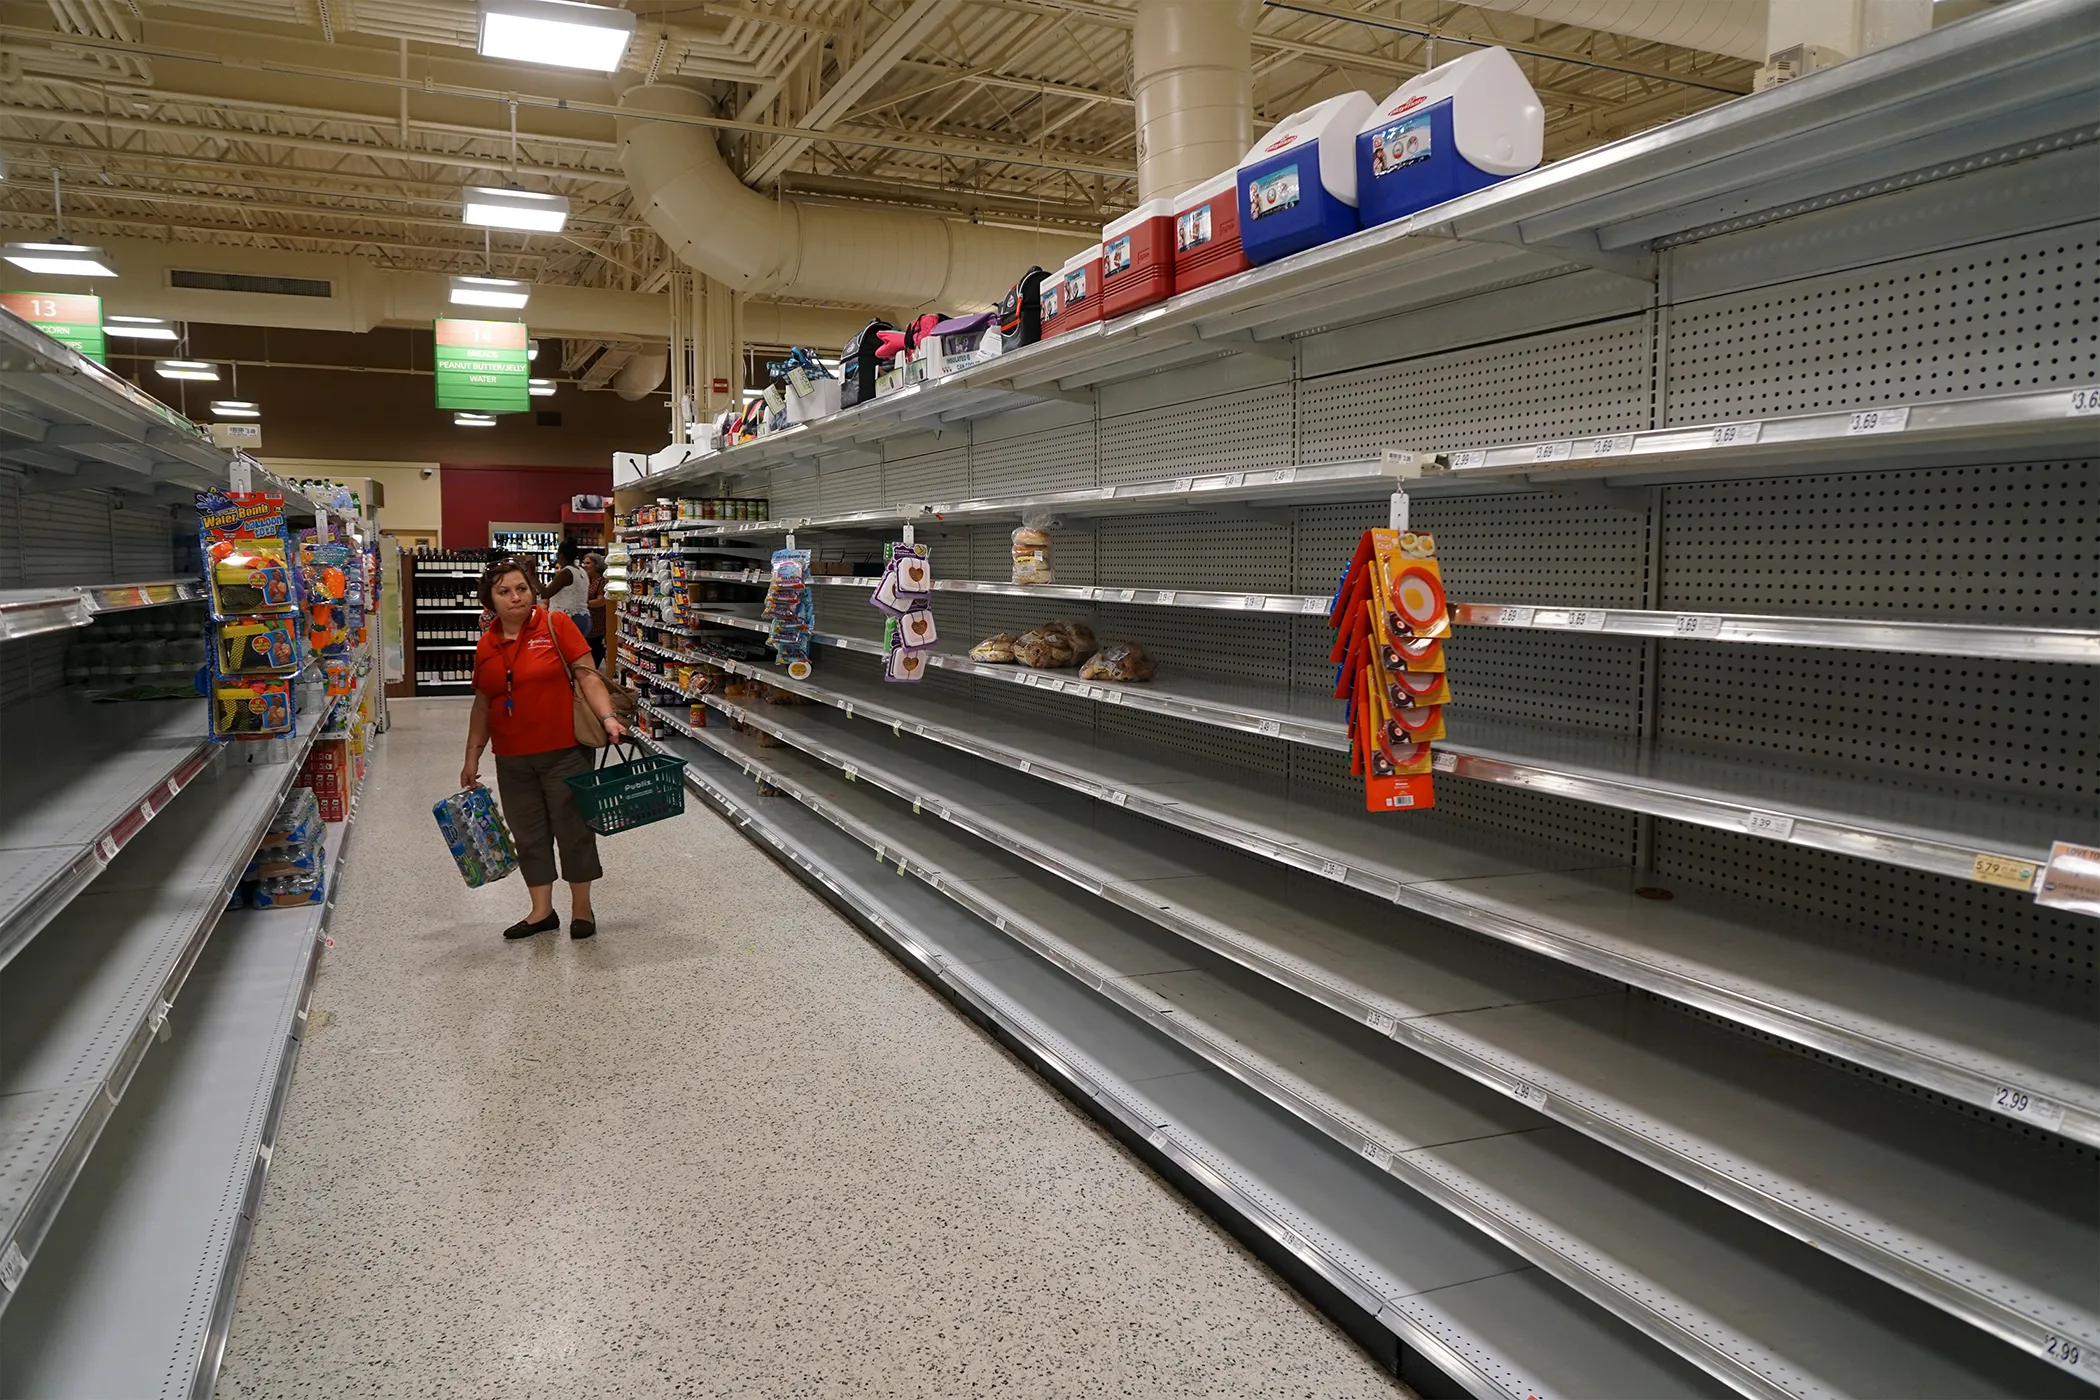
[(350, 125)]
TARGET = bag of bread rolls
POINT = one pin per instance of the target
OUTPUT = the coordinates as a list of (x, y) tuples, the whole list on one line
[(1032, 555)]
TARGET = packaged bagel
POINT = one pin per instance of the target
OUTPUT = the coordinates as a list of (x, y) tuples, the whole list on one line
[(1044, 648), (1119, 661), (997, 649), (1031, 546)]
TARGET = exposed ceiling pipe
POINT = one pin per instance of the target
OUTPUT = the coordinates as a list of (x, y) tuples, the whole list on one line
[(895, 259), (643, 374), (1733, 27), (1192, 81)]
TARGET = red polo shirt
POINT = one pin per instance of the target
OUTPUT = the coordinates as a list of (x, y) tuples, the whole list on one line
[(526, 672)]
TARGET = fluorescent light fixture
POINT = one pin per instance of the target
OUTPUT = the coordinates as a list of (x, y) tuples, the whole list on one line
[(487, 206), (540, 388), (59, 259), (490, 291), (186, 369), (532, 349), (139, 327), (561, 33), (236, 408), (473, 420)]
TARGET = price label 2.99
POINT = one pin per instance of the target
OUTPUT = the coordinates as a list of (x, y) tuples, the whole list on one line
[(2033, 1107)]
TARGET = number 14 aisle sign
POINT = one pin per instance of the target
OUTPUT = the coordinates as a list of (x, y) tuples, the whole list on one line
[(483, 366)]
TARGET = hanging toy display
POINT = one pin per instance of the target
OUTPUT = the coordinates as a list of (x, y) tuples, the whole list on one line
[(1390, 622), (790, 612), (257, 644), (906, 595)]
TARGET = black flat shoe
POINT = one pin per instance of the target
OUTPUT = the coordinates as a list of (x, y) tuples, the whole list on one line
[(524, 928), (583, 928)]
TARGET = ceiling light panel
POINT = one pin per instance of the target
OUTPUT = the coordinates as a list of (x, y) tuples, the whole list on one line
[(540, 388), (491, 206), (559, 33), (473, 420), (139, 327), (236, 408), (186, 369), (59, 259), (490, 291)]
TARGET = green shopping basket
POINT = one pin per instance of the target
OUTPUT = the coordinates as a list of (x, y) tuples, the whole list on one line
[(622, 796)]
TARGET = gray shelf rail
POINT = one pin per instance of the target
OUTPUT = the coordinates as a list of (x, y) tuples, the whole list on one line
[(1945, 1029), (84, 1002), (77, 782), (1887, 1188), (1424, 1276), (157, 1226), (27, 612)]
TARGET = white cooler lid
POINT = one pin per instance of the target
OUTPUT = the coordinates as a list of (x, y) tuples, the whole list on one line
[(1159, 208)]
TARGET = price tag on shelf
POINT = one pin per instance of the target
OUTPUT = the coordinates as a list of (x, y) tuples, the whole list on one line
[(1183, 483), (1737, 434), (108, 847), (1469, 459), (265, 1152), (2008, 871), (915, 806), (852, 774), (1376, 1155), (1381, 1021), (1585, 619), (1253, 602), (1696, 625), (1515, 616), (999, 922), (1877, 420), (1334, 870), (1166, 595), (2072, 1356), (13, 1264), (1552, 451), (1115, 697), (848, 707), (1126, 595), (1611, 445), (1269, 726), (2083, 401), (1770, 824), (1026, 766), (2033, 1107), (1096, 693), (2071, 879), (1529, 1093), (1118, 799), (173, 787)]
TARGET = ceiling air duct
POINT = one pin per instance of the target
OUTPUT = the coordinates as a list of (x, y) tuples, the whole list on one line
[(861, 255)]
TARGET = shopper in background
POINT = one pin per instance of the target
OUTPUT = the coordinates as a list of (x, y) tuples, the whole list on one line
[(523, 704), (594, 566), (568, 588)]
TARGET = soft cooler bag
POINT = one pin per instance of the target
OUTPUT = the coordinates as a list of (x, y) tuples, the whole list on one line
[(1297, 186), (1460, 127), (858, 366)]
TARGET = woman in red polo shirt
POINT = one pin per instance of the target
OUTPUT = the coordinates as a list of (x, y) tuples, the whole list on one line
[(522, 702)]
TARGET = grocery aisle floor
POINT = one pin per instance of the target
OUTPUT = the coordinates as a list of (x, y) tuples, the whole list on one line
[(731, 1150)]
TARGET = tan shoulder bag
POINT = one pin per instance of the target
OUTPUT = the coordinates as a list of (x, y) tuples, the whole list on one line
[(589, 732)]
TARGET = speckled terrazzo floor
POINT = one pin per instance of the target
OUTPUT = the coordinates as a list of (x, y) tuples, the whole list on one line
[(692, 1158)]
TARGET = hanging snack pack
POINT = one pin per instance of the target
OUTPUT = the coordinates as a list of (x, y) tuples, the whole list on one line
[(790, 612), (1298, 185), (1460, 127), (477, 835), (1390, 622), (906, 595)]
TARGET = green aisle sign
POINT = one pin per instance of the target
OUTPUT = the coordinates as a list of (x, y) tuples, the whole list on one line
[(483, 366), (67, 317)]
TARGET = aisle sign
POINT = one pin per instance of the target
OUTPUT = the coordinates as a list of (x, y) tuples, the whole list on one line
[(483, 366), (73, 320)]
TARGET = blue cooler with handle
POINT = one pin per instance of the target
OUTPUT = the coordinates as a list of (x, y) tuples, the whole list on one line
[(1460, 127), (1298, 185)]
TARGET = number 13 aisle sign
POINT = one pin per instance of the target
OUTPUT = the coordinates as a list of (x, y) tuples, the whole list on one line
[(483, 366), (67, 317)]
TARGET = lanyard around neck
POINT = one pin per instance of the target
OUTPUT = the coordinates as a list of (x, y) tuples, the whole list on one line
[(509, 649)]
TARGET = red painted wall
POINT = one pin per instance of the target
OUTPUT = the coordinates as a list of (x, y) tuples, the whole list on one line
[(474, 496)]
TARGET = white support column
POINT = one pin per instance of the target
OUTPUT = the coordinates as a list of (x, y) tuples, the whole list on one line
[(1849, 27)]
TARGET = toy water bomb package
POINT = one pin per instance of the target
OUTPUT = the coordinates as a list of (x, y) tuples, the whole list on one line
[(247, 561), (251, 707), (258, 646), (1390, 622), (478, 835), (790, 612)]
